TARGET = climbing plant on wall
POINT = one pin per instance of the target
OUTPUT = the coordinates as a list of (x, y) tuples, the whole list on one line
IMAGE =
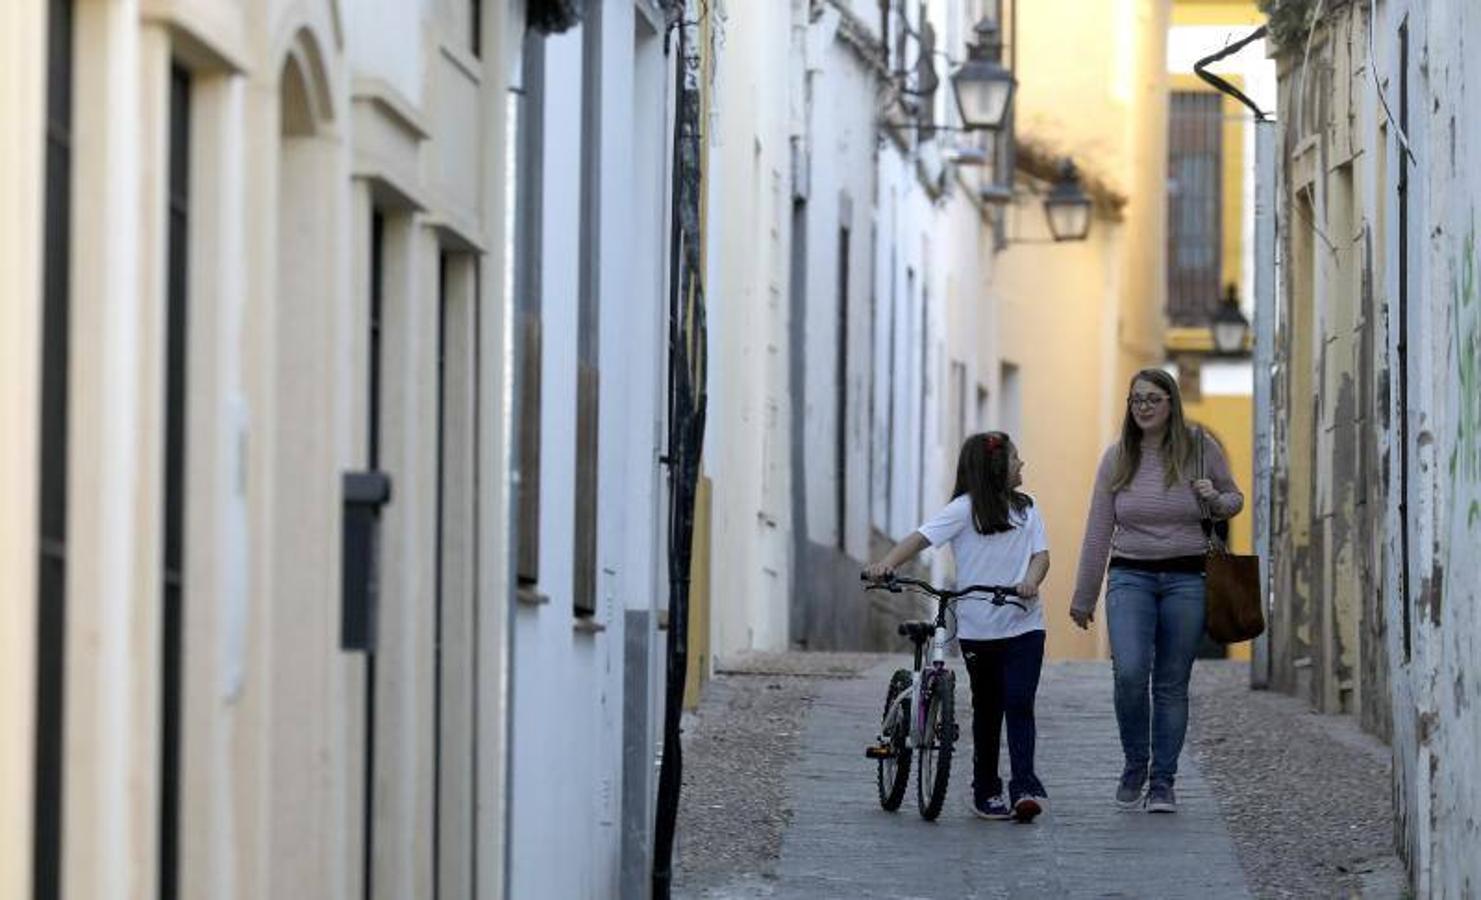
[(1290, 20)]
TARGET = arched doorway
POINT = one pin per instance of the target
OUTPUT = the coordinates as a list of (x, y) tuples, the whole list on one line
[(309, 715)]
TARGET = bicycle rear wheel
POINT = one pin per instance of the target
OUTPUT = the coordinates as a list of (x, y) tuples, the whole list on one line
[(894, 732), (935, 755)]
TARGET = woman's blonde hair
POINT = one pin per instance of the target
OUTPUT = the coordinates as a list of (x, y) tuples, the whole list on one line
[(1178, 446)]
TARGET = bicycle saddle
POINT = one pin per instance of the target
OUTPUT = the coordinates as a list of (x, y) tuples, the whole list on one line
[(918, 632)]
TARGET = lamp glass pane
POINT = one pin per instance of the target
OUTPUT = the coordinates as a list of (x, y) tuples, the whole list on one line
[(1068, 221), (983, 103), (1229, 336)]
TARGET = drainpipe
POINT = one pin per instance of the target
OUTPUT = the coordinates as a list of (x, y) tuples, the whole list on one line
[(1265, 314)]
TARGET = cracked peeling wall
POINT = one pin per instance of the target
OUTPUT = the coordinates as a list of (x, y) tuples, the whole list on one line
[(1376, 411)]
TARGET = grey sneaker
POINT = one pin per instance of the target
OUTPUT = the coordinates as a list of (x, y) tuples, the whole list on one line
[(1160, 799), (1129, 792)]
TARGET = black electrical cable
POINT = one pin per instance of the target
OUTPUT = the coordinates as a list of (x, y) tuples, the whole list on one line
[(686, 408), (1224, 87)]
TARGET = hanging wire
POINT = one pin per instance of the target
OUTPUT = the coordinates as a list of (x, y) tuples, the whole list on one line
[(1200, 69), (1316, 14), (1377, 86)]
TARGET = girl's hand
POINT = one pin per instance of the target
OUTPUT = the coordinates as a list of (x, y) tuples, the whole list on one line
[(879, 572), (1082, 617), (1027, 590), (1205, 490)]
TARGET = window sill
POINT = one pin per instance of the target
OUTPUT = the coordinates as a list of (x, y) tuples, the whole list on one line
[(528, 595), (587, 625)]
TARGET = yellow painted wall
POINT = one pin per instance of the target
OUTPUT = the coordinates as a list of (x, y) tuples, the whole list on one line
[(697, 669), (1216, 12), (1079, 319), (1231, 418)]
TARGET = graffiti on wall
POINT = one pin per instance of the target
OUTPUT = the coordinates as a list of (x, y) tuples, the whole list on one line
[(1465, 458)]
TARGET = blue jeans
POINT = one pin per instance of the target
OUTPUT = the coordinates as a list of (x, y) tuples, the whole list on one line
[(1155, 621)]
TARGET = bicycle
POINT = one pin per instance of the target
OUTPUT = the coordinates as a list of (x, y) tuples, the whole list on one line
[(931, 733)]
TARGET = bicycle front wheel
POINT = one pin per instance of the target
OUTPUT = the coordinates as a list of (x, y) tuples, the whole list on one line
[(894, 732), (934, 756)]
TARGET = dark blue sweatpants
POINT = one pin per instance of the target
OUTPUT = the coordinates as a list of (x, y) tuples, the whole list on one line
[(1005, 677)]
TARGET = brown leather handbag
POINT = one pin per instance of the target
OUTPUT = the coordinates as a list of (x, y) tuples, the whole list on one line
[(1233, 607)]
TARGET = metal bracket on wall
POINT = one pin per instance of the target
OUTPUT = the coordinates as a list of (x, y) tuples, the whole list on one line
[(364, 495)]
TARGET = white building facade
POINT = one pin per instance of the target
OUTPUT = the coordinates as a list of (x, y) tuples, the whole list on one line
[(258, 262), (590, 285), (843, 333)]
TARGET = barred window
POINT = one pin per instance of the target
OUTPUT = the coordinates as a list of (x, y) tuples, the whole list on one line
[(1194, 207)]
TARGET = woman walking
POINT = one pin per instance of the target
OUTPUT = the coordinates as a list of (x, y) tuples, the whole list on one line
[(1145, 516)]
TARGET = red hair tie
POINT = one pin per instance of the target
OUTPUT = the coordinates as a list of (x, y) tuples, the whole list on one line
[(994, 442)]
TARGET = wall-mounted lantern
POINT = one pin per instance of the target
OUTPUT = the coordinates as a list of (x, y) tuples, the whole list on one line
[(983, 88), (1068, 206), (1229, 326), (554, 16)]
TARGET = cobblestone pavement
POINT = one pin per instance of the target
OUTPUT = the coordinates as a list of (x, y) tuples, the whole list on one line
[(1307, 797), (779, 802), (738, 748)]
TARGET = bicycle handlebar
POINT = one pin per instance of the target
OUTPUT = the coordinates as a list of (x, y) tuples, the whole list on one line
[(1000, 592)]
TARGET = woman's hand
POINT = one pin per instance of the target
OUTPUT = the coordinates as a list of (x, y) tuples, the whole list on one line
[(1205, 490), (1027, 590), (1082, 617), (879, 572)]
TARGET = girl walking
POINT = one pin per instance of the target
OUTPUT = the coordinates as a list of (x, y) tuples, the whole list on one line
[(997, 537), (1144, 515)]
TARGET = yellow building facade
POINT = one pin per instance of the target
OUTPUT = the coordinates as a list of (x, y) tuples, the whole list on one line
[(1218, 391), (1076, 319)]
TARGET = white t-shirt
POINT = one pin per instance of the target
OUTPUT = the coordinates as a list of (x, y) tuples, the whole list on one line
[(997, 559)]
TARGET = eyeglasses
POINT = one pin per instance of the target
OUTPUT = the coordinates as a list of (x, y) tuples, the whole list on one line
[(1147, 401)]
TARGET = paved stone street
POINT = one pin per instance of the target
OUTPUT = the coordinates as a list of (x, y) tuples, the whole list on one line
[(839, 843)]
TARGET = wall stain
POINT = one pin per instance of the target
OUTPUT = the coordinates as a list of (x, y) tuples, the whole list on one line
[(1431, 589), (1465, 459)]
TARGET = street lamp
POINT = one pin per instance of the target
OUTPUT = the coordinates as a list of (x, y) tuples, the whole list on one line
[(1229, 326), (982, 86), (1068, 206)]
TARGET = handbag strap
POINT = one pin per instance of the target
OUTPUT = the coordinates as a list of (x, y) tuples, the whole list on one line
[(1210, 540)]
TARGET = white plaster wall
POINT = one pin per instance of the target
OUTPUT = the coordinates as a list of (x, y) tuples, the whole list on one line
[(1448, 143), (384, 38), (746, 439), (272, 730), (841, 131), (568, 742), (911, 332), (1436, 724), (23, 29), (553, 771)]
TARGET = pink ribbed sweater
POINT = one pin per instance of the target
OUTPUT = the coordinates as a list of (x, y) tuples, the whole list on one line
[(1146, 519)]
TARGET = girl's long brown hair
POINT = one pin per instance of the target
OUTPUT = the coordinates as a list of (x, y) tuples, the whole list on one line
[(1178, 447), (982, 473)]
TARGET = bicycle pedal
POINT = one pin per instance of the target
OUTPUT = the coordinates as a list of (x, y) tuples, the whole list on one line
[(879, 751)]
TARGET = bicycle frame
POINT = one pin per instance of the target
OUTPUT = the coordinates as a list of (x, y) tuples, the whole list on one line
[(923, 679)]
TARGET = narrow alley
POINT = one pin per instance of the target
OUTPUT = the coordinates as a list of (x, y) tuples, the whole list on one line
[(1274, 801), (443, 440)]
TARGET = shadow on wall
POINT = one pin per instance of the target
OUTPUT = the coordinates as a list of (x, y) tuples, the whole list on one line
[(832, 611)]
